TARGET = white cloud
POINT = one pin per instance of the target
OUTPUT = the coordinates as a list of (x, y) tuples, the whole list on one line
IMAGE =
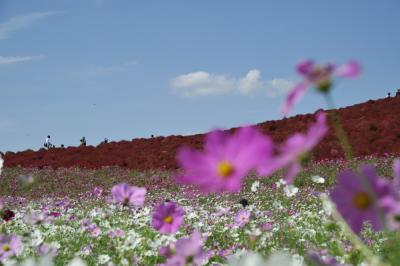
[(204, 83), (251, 82), (5, 60), (278, 86), (21, 22)]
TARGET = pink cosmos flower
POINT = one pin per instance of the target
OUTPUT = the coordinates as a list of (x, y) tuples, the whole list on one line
[(9, 246), (296, 146), (168, 217), (128, 195), (225, 160), (117, 233), (242, 218), (189, 251), (319, 76), (47, 250), (355, 203), (97, 191)]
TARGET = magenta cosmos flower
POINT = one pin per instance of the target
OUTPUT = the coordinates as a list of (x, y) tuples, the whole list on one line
[(128, 195), (225, 161), (355, 202), (168, 217), (9, 246), (318, 76), (296, 146), (188, 251), (242, 218)]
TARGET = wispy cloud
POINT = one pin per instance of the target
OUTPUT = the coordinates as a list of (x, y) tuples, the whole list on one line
[(20, 22), (6, 60), (204, 83)]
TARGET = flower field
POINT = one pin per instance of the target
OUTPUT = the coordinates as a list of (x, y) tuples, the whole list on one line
[(69, 223)]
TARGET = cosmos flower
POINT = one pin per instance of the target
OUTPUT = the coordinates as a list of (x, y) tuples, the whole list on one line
[(9, 246), (128, 195), (293, 151), (188, 251), (318, 76), (242, 218), (225, 161), (7, 215), (168, 217), (356, 203)]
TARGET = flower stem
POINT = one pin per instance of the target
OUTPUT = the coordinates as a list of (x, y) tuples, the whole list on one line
[(339, 131)]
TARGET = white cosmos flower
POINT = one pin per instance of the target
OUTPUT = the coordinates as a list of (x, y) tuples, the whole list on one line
[(318, 179), (1, 163), (255, 186), (290, 190)]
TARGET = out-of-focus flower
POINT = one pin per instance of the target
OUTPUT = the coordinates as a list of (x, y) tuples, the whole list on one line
[(117, 233), (47, 250), (318, 179), (225, 160), (294, 150), (255, 259), (242, 218), (26, 180), (244, 202), (9, 246), (1, 164), (290, 190), (168, 217), (319, 76), (188, 251), (128, 195), (97, 191), (255, 186), (7, 215), (266, 226), (354, 200)]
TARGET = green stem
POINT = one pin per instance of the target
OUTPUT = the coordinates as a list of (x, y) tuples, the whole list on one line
[(339, 131)]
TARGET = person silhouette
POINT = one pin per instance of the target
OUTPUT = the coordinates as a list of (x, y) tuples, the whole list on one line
[(47, 144), (83, 141)]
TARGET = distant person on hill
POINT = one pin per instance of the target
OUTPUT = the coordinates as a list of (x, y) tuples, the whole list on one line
[(388, 95), (398, 93), (83, 141), (105, 140), (47, 144)]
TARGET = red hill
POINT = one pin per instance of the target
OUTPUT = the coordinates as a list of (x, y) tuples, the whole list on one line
[(373, 127)]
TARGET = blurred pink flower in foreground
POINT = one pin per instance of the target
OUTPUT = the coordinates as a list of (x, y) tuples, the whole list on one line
[(296, 146), (128, 195), (356, 203), (225, 161), (319, 76), (168, 217), (188, 251), (9, 246)]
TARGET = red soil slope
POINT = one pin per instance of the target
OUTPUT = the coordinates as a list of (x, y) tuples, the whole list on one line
[(372, 127)]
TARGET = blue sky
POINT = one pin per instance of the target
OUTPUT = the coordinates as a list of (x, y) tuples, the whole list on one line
[(126, 69)]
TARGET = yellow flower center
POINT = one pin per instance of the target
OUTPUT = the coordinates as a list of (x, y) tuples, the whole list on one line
[(225, 169), (362, 200), (6, 247), (168, 219)]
